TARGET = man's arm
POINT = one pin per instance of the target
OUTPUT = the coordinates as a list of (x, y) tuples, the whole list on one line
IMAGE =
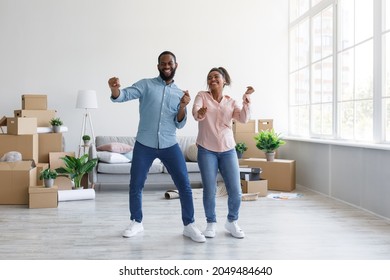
[(185, 100)]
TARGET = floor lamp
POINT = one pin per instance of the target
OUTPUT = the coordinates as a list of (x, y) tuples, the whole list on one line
[(86, 99)]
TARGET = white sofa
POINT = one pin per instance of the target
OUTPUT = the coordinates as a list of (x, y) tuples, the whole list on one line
[(119, 173)]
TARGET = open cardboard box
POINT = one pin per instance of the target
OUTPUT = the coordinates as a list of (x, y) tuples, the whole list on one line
[(16, 178)]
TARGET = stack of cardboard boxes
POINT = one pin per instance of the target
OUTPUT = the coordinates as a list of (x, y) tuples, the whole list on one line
[(19, 181), (279, 174)]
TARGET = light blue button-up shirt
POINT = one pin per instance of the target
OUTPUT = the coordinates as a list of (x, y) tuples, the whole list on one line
[(158, 107)]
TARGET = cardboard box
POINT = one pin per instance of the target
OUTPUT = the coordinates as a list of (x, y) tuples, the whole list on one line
[(34, 102), (260, 186), (40, 168), (252, 126), (43, 116), (41, 197), (55, 161), (27, 145), (16, 178), (21, 126), (246, 133), (49, 142), (280, 173), (3, 122)]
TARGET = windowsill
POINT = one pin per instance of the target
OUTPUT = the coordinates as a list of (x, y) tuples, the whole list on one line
[(340, 143)]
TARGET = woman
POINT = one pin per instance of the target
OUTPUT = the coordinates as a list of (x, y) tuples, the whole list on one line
[(216, 147)]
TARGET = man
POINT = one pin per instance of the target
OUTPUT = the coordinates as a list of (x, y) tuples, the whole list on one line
[(162, 110)]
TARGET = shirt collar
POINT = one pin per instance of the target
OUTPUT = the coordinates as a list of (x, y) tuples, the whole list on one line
[(163, 82)]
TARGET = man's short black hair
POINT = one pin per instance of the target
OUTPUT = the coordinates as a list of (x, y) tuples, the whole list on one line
[(164, 53)]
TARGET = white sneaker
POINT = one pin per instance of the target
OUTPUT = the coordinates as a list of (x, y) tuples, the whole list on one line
[(133, 229), (210, 230), (234, 229), (194, 233)]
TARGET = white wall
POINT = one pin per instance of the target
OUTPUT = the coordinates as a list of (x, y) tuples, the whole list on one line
[(58, 47)]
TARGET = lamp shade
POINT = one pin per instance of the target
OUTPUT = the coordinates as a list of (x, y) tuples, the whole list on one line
[(86, 99)]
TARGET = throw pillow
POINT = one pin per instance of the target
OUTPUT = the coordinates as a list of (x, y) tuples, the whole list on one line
[(110, 157), (192, 152), (129, 155), (115, 147)]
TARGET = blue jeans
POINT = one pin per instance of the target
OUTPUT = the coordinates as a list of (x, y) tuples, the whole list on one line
[(227, 162), (173, 160)]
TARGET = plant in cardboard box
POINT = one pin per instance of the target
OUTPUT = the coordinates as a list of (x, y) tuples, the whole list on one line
[(76, 168), (240, 149), (48, 176), (268, 141), (56, 124)]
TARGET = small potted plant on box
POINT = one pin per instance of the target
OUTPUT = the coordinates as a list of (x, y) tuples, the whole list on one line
[(56, 124), (268, 141), (48, 176), (86, 139), (240, 149)]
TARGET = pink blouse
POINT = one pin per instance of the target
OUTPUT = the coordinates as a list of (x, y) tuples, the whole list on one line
[(215, 128)]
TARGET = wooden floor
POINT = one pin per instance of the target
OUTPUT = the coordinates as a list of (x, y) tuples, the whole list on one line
[(312, 227)]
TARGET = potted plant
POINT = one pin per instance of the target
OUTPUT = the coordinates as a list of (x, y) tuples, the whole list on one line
[(240, 149), (268, 141), (48, 176), (56, 124), (75, 168), (86, 139)]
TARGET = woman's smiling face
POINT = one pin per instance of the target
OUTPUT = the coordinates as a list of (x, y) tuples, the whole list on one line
[(215, 80)]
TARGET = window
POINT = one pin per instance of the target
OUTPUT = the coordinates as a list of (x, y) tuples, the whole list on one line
[(331, 70)]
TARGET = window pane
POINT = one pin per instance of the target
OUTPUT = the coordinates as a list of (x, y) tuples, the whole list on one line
[(386, 92), (303, 45), (387, 118), (327, 32), (327, 119), (299, 87), (387, 14), (364, 71), (363, 20), (316, 37), (294, 47), (346, 75), (364, 120), (299, 120), (346, 117), (346, 23), (321, 119), (316, 84), (327, 80)]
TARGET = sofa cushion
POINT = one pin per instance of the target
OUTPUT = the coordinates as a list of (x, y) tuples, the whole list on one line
[(110, 157), (192, 167), (192, 152), (115, 147), (124, 168)]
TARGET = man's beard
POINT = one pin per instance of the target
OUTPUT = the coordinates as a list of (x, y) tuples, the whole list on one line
[(167, 78)]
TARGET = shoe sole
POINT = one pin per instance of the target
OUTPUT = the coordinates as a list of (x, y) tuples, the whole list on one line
[(189, 236), (129, 236)]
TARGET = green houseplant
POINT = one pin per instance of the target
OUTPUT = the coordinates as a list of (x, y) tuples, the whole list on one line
[(86, 139), (75, 168), (241, 148), (268, 141), (56, 124), (48, 176)]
